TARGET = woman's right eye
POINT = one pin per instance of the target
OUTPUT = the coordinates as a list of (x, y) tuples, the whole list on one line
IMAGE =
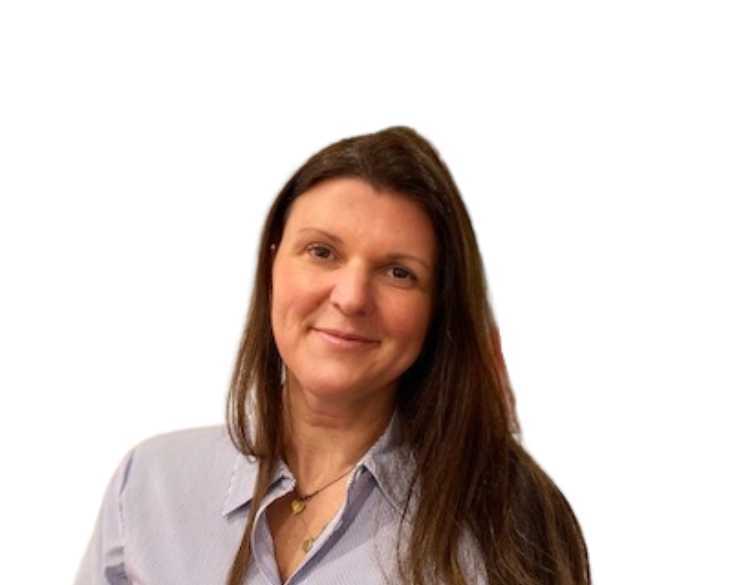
[(319, 251)]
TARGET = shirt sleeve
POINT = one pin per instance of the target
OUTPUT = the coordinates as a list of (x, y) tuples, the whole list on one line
[(104, 560)]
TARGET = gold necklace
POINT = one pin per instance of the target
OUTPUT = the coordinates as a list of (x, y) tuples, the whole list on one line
[(310, 540), (298, 504)]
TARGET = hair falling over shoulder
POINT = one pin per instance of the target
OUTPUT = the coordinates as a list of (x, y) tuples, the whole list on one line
[(455, 403)]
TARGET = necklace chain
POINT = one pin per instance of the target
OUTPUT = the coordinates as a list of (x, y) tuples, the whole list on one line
[(298, 505), (307, 497)]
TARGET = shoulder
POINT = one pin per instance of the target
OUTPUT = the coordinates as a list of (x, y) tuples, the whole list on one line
[(165, 506), (186, 451), (185, 446), (186, 465)]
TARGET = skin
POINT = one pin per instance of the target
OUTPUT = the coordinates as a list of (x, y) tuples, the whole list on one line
[(355, 260)]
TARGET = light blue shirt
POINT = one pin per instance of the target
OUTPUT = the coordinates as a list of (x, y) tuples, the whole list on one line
[(174, 514)]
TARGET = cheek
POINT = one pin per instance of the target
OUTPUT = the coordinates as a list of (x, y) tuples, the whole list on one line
[(293, 300), (409, 322), (282, 293)]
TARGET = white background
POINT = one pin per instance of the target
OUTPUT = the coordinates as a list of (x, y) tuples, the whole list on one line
[(594, 143)]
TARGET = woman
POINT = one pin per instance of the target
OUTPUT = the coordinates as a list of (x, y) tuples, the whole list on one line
[(371, 425)]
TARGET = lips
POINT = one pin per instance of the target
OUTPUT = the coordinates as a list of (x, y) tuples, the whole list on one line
[(346, 335)]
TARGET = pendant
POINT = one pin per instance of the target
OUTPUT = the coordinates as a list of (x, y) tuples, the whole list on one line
[(307, 544), (297, 506)]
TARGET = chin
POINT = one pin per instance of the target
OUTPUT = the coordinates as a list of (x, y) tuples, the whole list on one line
[(331, 388), (334, 385)]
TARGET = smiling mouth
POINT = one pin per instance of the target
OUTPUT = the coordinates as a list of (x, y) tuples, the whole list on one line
[(342, 340)]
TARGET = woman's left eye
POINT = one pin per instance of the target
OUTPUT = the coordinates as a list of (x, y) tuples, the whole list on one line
[(401, 273)]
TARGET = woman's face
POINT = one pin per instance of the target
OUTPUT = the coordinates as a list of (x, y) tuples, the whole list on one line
[(353, 263)]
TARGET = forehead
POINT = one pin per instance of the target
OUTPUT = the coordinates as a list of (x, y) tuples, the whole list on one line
[(353, 210)]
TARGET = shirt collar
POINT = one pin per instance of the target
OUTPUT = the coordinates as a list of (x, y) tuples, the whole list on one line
[(388, 461), (243, 479), (391, 464)]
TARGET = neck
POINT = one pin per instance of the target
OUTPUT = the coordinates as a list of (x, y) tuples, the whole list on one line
[(325, 437)]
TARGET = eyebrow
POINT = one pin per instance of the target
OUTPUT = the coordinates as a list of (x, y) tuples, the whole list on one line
[(338, 240)]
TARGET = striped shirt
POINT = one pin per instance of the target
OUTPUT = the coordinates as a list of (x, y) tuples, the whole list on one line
[(174, 514)]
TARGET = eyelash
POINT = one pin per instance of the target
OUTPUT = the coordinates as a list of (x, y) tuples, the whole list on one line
[(410, 275)]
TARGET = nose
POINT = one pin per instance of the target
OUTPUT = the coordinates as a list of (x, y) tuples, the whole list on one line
[(351, 292)]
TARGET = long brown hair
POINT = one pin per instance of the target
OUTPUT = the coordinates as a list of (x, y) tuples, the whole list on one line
[(455, 403)]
